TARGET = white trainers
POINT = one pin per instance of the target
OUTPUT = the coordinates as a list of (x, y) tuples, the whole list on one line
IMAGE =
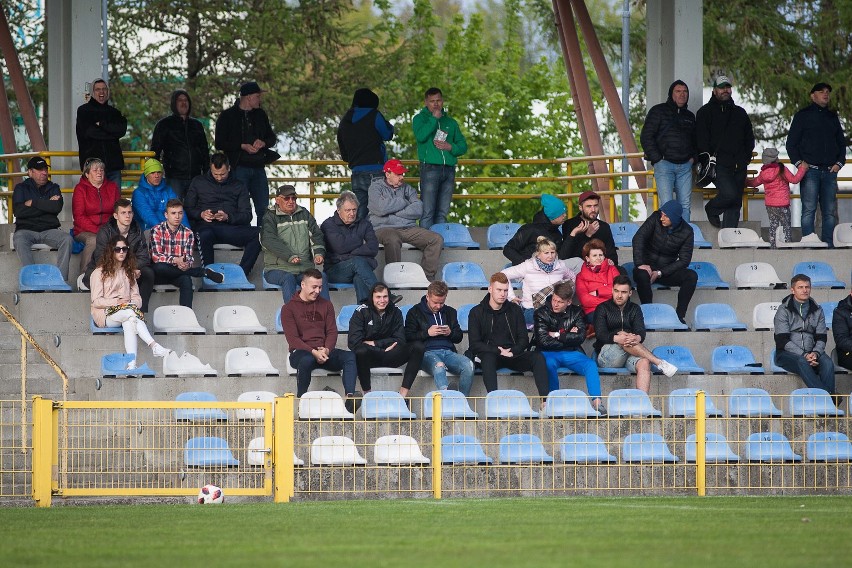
[(131, 365), (667, 368), (812, 239), (159, 350)]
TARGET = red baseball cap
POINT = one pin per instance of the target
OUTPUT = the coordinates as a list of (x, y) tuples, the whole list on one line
[(395, 167), (588, 195)]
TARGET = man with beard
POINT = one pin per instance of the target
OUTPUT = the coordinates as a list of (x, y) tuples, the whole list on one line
[(99, 127), (585, 226)]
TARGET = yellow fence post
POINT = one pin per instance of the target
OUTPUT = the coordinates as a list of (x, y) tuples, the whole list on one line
[(436, 445), (700, 443), (282, 449), (42, 451)]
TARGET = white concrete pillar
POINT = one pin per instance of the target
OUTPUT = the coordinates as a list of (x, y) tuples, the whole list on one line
[(674, 49)]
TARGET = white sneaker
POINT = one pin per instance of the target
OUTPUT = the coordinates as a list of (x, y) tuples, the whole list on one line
[(159, 350), (667, 368), (131, 365), (812, 239)]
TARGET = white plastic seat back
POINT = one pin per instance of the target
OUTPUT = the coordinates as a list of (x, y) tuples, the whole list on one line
[(405, 275), (335, 450), (322, 405), (186, 365), (236, 319), (257, 452), (763, 315), (176, 319), (254, 396), (398, 449), (756, 275), (741, 237), (249, 361), (843, 235)]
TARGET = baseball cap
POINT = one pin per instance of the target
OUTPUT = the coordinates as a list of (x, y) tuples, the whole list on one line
[(286, 190), (250, 88), (588, 195), (721, 81), (395, 166), (37, 163), (820, 86)]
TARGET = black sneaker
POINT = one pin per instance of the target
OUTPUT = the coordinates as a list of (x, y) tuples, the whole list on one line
[(396, 299), (714, 220), (216, 277), (352, 404)]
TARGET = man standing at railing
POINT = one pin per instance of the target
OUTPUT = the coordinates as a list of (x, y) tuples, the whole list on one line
[(439, 144), (99, 127), (36, 203), (180, 143)]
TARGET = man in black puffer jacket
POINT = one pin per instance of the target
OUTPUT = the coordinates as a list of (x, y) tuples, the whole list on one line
[(180, 143), (99, 128), (841, 328)]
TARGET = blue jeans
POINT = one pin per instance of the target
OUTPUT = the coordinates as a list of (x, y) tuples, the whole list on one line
[(674, 179), (338, 360), (290, 281), (356, 270), (613, 355), (819, 186), (436, 192), (179, 186), (820, 377), (454, 362), (360, 184), (114, 175), (258, 187), (577, 362)]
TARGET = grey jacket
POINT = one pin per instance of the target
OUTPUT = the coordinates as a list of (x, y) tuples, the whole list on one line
[(797, 334), (389, 207)]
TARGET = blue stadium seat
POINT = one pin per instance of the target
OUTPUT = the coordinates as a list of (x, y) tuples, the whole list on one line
[(679, 356), (455, 235), (623, 233), (716, 449), (569, 403), (584, 448), (612, 370), (516, 284), (774, 368), (717, 317), (812, 402), (734, 360), (751, 403), (103, 330), (769, 447), (345, 316), (828, 310), (628, 268), (209, 452), (828, 446), (821, 274), (453, 405), (682, 403), (461, 449), (501, 233), (404, 309), (461, 275), (235, 278), (523, 448), (699, 240), (278, 327), (508, 404), (646, 448), (659, 317), (41, 278), (115, 365), (199, 414), (630, 402), (464, 316), (385, 405), (268, 285), (708, 276)]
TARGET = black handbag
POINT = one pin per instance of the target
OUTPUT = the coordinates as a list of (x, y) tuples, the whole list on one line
[(269, 156), (706, 171)]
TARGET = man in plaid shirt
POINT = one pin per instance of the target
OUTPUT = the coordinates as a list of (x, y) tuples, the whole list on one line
[(171, 253)]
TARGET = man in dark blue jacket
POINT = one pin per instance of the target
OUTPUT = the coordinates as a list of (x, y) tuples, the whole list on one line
[(816, 137), (351, 247)]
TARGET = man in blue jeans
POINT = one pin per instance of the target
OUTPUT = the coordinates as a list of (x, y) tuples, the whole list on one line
[(816, 137), (352, 247), (439, 144)]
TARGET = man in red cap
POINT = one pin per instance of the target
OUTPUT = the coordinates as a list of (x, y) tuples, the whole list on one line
[(394, 211), (585, 226)]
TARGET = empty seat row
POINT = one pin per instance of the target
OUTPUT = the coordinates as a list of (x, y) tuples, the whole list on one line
[(239, 361), (741, 237)]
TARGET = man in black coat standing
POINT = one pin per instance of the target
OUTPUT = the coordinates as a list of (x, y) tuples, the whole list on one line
[(99, 127), (180, 143)]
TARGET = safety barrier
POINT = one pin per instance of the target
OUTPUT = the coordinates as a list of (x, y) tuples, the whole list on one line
[(16, 466)]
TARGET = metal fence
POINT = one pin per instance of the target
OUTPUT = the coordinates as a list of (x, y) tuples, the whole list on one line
[(16, 466)]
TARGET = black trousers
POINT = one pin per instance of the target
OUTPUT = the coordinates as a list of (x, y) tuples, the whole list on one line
[(686, 279), (522, 362), (729, 196), (367, 357)]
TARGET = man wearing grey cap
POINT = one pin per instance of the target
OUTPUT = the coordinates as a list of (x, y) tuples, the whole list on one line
[(723, 130), (36, 202), (816, 137), (243, 132)]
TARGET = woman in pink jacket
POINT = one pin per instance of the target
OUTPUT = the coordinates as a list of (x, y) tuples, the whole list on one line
[(116, 299), (594, 283), (776, 180)]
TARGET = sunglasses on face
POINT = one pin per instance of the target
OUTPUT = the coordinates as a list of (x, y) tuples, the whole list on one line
[(288, 197), (121, 249)]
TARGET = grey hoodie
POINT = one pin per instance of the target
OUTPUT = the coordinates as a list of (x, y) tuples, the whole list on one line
[(389, 207)]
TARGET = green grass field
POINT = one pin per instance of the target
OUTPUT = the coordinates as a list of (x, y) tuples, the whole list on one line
[(646, 531)]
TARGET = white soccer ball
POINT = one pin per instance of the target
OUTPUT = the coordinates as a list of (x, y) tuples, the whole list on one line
[(210, 494)]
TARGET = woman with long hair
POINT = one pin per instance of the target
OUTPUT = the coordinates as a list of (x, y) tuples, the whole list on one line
[(116, 298)]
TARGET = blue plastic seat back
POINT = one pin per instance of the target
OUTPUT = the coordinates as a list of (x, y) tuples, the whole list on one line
[(734, 359), (523, 448), (828, 310), (679, 356), (404, 309), (340, 286), (716, 449), (345, 316), (508, 403), (821, 274), (464, 316), (698, 236), (103, 330), (628, 268), (584, 448), (385, 405), (828, 446), (770, 447), (751, 402), (268, 285), (682, 403), (41, 278), (501, 233), (630, 402), (278, 327), (455, 235), (199, 414), (463, 449), (464, 275), (623, 233), (774, 367), (717, 316), (453, 405), (209, 452), (661, 316), (115, 365), (569, 403), (708, 276), (646, 448), (235, 278), (812, 402)]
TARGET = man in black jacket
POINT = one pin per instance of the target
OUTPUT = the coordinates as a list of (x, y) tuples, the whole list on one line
[(99, 127), (816, 137), (619, 333), (351, 247), (723, 129), (662, 251), (545, 223), (668, 139), (498, 337), (585, 226), (560, 329), (243, 132), (180, 143), (841, 328)]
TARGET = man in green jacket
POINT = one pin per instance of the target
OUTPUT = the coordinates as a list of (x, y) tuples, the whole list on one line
[(439, 144)]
